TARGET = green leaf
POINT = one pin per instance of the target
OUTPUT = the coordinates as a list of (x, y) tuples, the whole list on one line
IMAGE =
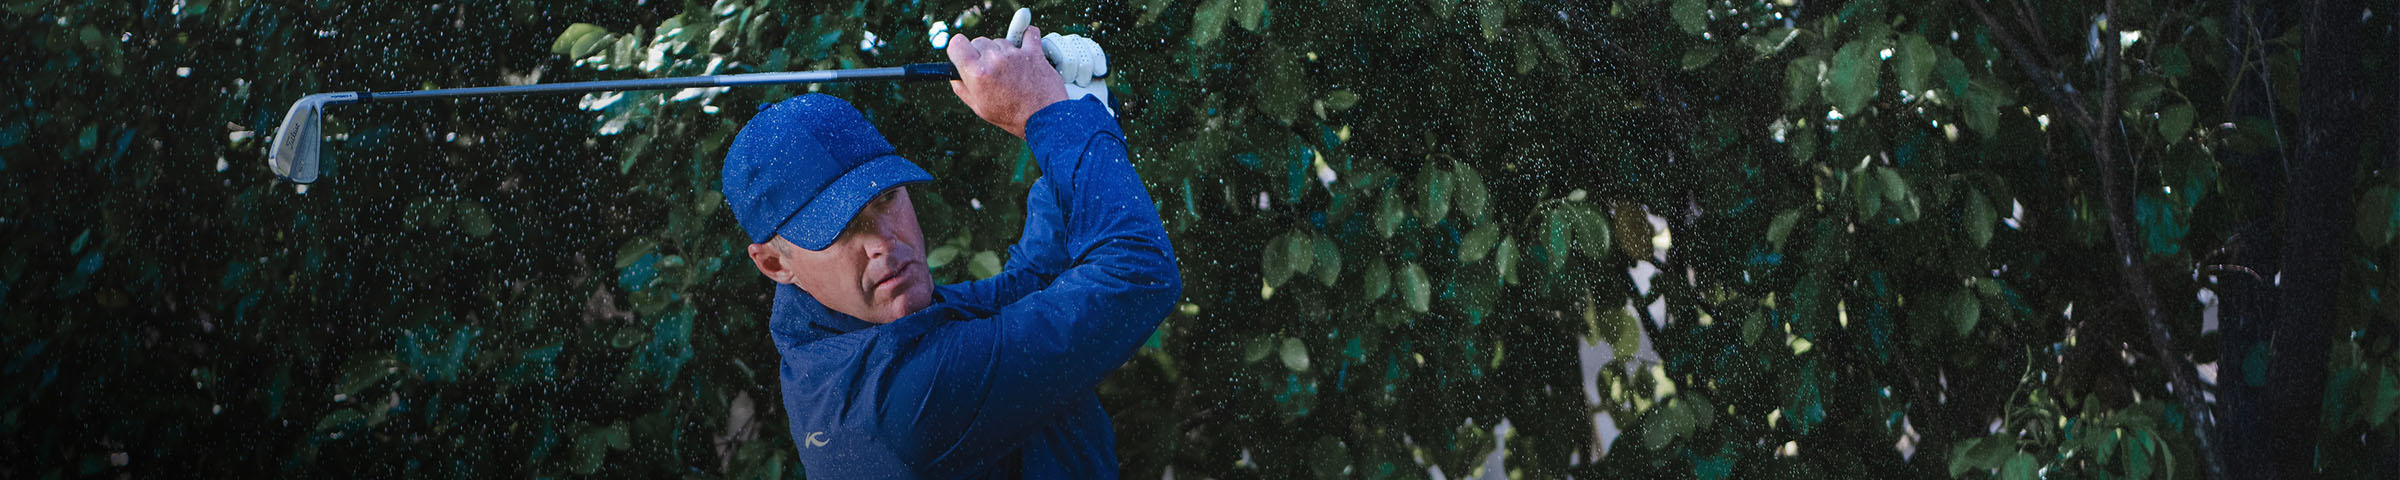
[(1591, 232), (1690, 15), (1341, 100), (473, 219), (1800, 82), (1378, 281), (1754, 325), (2163, 223), (1961, 457), (633, 250), (1473, 199), (2022, 467), (365, 371), (2172, 62), (1249, 14), (1492, 15), (1895, 189), (1416, 288), (1209, 21), (1433, 195), (1558, 237), (1477, 243), (1700, 56), (1294, 355), (1282, 89), (1257, 349), (1983, 103), (1278, 261), (2138, 447), (1979, 218), (1389, 213), (1856, 74), (2174, 122), (1666, 422), (1781, 228), (941, 256), (1917, 58), (1965, 310), (1328, 260), (985, 265), (2387, 398), (565, 44), (1506, 258)]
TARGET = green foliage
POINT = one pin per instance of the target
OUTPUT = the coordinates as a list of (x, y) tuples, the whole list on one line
[(1429, 214)]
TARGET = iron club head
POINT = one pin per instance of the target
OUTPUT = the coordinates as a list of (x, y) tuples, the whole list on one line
[(294, 153)]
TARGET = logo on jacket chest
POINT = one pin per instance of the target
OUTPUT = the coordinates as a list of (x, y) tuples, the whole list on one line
[(817, 439)]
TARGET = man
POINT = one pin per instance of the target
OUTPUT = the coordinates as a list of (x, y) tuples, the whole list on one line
[(888, 376)]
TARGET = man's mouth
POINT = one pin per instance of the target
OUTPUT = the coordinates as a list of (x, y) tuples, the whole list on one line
[(896, 276)]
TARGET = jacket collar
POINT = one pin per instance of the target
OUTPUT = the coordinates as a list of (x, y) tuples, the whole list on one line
[(799, 318)]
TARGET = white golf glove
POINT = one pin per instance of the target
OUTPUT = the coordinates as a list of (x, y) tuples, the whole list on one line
[(1082, 64)]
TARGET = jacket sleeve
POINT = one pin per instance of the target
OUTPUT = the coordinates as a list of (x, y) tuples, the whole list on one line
[(1037, 258), (965, 394)]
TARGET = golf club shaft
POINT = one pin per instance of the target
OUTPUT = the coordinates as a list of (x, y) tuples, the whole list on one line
[(920, 71)]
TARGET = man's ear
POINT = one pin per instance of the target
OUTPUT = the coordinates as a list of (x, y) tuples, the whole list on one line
[(769, 264)]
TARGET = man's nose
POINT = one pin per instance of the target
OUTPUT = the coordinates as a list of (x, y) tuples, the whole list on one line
[(879, 240)]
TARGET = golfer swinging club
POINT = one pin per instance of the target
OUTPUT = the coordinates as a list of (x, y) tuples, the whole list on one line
[(886, 375)]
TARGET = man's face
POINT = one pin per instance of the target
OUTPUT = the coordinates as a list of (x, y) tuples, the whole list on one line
[(874, 271)]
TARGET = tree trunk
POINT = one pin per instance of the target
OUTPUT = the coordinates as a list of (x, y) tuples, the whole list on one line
[(2316, 224), (2248, 306)]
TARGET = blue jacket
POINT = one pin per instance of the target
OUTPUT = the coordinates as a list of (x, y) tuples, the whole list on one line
[(995, 379)]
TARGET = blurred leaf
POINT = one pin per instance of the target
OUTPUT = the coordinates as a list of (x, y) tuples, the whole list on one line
[(1632, 231), (1341, 100), (1209, 20), (1591, 231), (1492, 15), (941, 256), (1505, 257), (1378, 280), (1558, 237), (2174, 122), (1979, 218), (2022, 467), (1801, 82), (1690, 15), (1473, 199), (1983, 103), (2138, 447), (1664, 423), (1389, 213), (1416, 288), (1855, 76), (1249, 13), (634, 249), (1700, 56), (2163, 223), (1965, 311), (985, 265), (473, 219), (1477, 243), (363, 372), (1294, 355), (1328, 260), (1433, 195), (2172, 62), (1781, 228), (1917, 58)]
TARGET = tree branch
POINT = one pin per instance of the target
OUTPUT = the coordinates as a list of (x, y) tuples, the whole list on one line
[(2116, 192)]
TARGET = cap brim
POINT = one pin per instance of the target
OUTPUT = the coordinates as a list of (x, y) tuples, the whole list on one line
[(816, 225)]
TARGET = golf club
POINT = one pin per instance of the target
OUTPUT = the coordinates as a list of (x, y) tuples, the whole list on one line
[(293, 156)]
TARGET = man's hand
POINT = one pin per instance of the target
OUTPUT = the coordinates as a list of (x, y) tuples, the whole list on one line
[(1005, 84)]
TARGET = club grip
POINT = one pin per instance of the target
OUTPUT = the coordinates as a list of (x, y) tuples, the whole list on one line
[(929, 71)]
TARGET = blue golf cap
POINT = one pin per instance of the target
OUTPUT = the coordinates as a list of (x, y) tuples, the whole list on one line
[(804, 166)]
